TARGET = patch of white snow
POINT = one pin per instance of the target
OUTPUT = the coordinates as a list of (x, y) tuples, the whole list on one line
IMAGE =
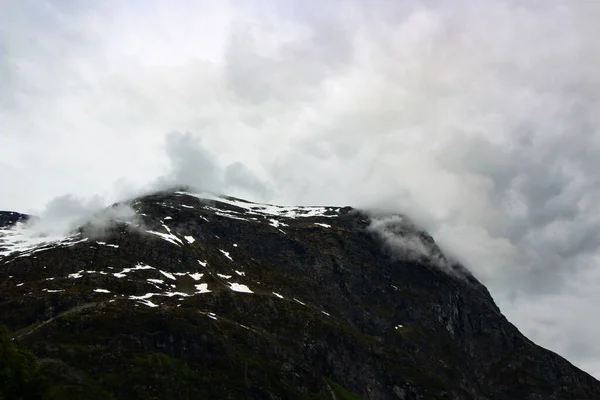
[(237, 287), (202, 288), (148, 303), (190, 239), (196, 276), (226, 254), (167, 274)]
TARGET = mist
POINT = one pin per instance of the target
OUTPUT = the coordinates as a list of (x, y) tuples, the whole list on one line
[(66, 215)]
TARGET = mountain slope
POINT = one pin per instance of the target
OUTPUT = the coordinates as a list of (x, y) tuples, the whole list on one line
[(213, 297)]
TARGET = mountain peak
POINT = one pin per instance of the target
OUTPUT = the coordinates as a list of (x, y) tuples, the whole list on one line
[(188, 295)]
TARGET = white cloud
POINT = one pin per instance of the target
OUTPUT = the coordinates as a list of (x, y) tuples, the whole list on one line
[(477, 119), (64, 214), (407, 242)]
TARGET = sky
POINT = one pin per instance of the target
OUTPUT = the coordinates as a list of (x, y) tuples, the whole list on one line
[(479, 120)]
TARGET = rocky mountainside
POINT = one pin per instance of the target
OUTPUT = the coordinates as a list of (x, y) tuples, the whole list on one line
[(205, 297)]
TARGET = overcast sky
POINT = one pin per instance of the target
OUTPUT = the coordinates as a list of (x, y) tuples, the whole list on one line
[(480, 119)]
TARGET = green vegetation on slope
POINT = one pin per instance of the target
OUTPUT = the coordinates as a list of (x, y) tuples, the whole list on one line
[(20, 376)]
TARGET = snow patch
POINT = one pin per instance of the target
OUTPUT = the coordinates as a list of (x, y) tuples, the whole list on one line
[(274, 222), (237, 287), (202, 288), (171, 294), (167, 274), (148, 303), (76, 275), (227, 215), (267, 209), (146, 296), (21, 238), (211, 315), (190, 239), (125, 271), (196, 276), (226, 254), (169, 237)]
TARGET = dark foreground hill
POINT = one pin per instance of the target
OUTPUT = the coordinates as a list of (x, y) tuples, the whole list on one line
[(217, 298)]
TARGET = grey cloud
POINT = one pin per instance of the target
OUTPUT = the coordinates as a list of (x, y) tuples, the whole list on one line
[(66, 205), (288, 69), (237, 175), (408, 243), (63, 214), (192, 164), (98, 225), (547, 219), (490, 141)]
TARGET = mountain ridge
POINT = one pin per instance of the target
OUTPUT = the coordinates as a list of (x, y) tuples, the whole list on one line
[(199, 296)]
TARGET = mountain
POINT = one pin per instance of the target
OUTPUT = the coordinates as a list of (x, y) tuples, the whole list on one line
[(196, 296)]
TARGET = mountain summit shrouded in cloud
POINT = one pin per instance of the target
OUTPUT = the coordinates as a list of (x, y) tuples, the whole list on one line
[(478, 120), (220, 298)]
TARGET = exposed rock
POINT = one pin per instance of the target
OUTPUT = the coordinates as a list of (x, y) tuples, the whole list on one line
[(223, 298)]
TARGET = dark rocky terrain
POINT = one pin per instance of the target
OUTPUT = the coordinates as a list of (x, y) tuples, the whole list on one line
[(225, 299)]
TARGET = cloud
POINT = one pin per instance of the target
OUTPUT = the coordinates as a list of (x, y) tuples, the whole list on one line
[(408, 242), (63, 214), (66, 214), (478, 120), (100, 223), (191, 164)]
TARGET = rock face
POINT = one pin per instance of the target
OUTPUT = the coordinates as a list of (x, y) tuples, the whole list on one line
[(205, 297)]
